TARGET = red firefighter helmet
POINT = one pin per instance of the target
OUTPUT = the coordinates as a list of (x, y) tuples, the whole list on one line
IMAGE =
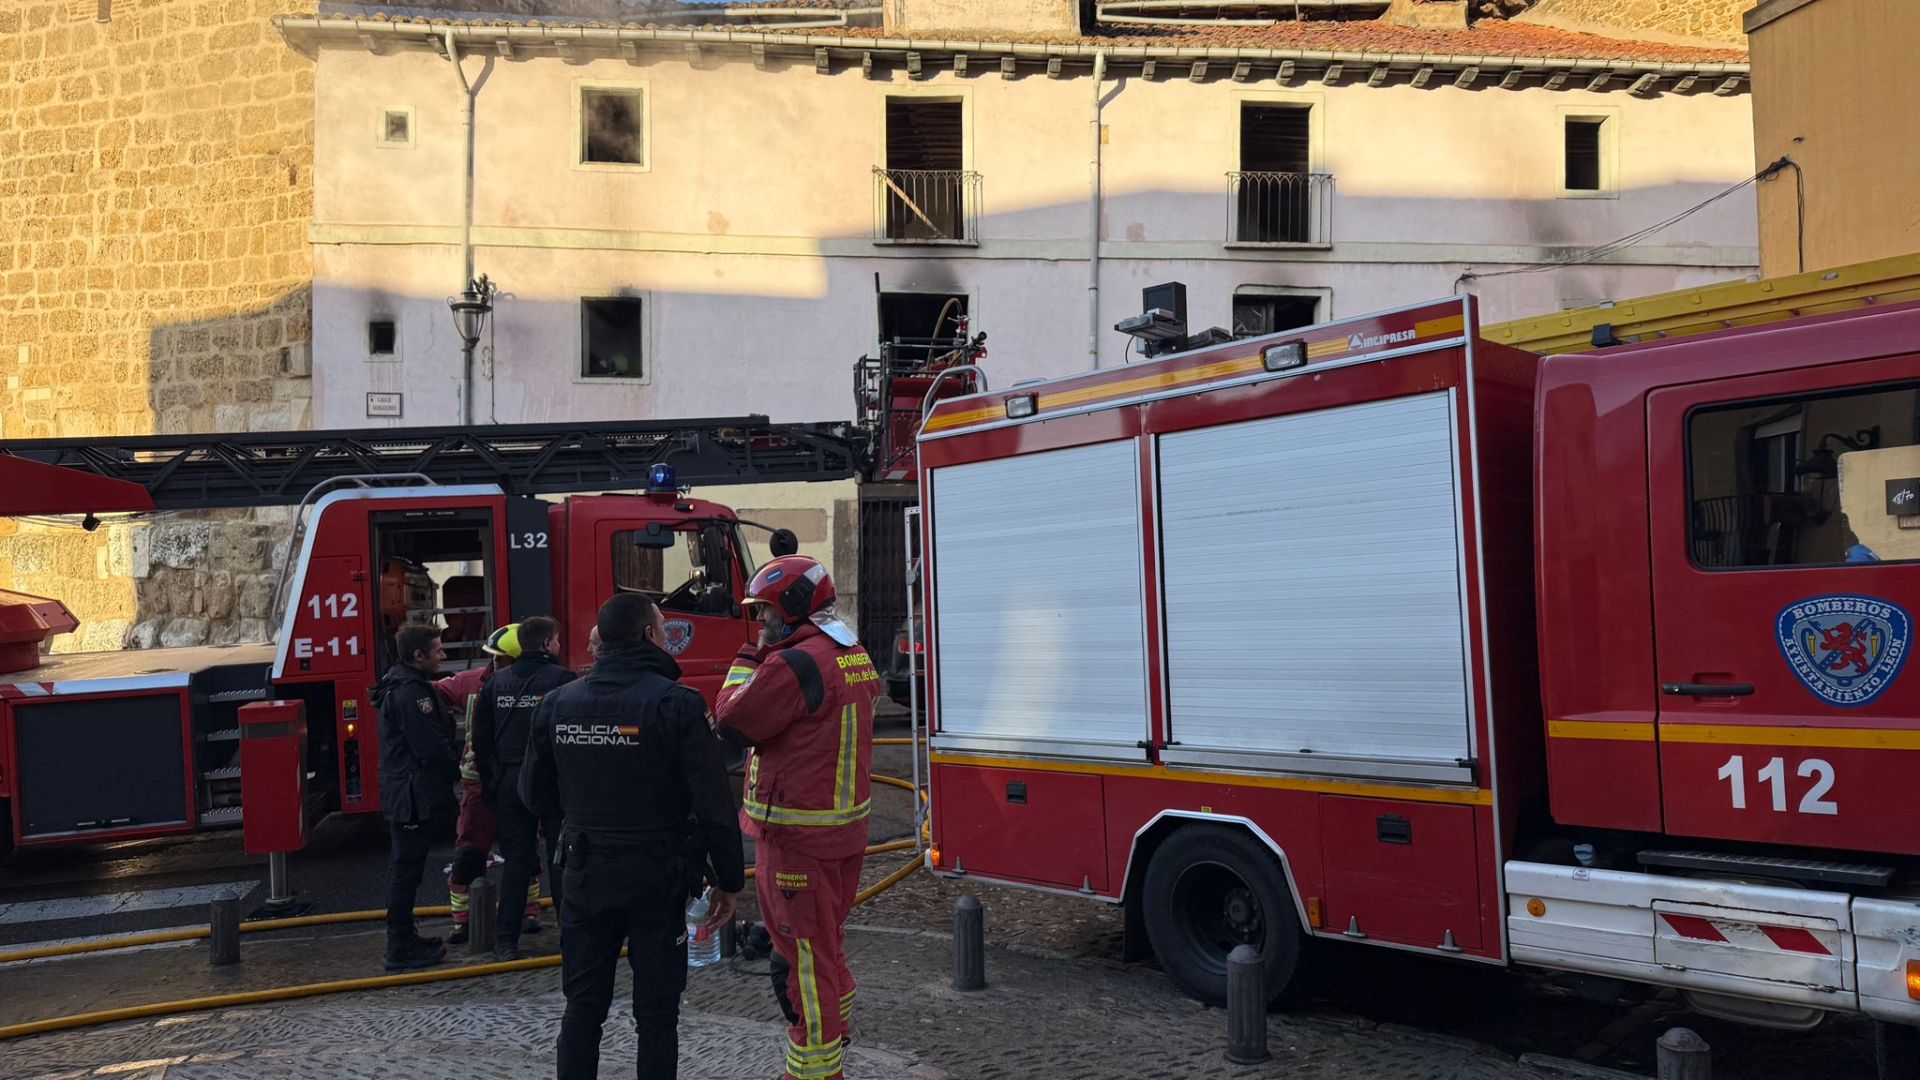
[(794, 585)]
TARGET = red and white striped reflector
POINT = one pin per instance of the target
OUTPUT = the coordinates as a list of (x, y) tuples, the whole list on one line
[(1787, 938)]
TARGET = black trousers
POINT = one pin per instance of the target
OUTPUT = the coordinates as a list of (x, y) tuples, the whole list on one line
[(519, 838), (406, 865), (621, 892)]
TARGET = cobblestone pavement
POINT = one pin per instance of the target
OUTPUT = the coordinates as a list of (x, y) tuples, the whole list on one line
[(1040, 1017)]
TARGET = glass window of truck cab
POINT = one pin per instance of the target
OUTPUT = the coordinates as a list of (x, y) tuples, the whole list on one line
[(690, 571), (1825, 479)]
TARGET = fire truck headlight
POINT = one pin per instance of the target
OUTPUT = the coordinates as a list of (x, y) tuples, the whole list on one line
[(1913, 979), (1292, 354), (1019, 408)]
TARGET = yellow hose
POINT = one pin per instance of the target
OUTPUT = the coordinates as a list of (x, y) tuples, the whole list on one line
[(376, 982)]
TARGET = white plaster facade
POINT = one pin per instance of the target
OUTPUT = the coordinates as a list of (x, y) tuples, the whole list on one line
[(748, 233)]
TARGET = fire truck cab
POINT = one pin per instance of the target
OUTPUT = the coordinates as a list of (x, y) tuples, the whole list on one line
[(1380, 633)]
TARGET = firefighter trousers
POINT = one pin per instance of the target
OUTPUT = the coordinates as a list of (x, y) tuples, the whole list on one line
[(804, 902), (620, 892)]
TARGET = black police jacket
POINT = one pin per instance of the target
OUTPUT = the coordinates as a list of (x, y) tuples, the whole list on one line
[(418, 765), (627, 752), (503, 711)]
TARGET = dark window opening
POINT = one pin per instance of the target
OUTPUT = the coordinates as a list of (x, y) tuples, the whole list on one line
[(1583, 153), (1255, 314), (397, 127), (924, 181), (915, 318), (1273, 197), (1812, 481), (611, 124), (610, 337), (382, 337)]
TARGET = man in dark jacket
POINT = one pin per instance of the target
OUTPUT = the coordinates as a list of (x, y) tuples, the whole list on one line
[(500, 720), (630, 760), (418, 773)]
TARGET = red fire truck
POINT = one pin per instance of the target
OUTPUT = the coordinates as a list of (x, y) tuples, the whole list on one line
[(1381, 633)]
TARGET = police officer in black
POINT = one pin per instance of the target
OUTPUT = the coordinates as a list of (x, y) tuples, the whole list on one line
[(500, 723), (628, 757), (419, 770)]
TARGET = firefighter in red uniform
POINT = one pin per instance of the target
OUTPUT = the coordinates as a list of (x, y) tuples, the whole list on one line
[(804, 699)]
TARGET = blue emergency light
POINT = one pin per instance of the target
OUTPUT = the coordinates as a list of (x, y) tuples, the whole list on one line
[(660, 478)]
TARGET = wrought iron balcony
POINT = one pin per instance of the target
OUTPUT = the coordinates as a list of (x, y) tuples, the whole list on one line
[(1280, 208), (926, 206)]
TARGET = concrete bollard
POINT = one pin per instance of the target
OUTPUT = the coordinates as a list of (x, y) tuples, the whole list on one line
[(969, 945), (483, 915), (225, 939), (1682, 1055), (1246, 1006)]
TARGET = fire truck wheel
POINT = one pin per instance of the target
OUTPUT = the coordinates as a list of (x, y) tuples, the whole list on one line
[(1896, 1051), (1210, 888)]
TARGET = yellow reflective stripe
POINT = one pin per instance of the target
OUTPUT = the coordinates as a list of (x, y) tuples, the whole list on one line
[(809, 994), (849, 757), (819, 1070), (783, 815), (736, 675)]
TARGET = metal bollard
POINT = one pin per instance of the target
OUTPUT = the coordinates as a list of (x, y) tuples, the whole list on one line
[(483, 915), (1683, 1055), (1246, 1006), (969, 945), (729, 939), (225, 939)]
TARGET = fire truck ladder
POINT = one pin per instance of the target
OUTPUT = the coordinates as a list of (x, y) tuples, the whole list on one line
[(204, 472)]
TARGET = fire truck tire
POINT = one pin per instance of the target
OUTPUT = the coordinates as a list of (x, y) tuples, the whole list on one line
[(1209, 888)]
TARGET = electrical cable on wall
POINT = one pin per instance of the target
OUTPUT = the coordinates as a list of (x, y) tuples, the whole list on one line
[(1593, 255)]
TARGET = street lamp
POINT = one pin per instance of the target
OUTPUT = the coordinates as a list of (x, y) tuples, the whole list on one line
[(470, 311)]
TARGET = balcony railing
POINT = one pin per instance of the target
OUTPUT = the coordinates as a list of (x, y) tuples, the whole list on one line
[(1279, 208), (926, 206)]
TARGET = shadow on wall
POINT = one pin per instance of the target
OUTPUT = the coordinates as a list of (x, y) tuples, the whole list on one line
[(607, 334)]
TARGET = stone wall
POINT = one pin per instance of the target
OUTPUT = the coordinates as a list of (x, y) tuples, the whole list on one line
[(156, 187), (1716, 20)]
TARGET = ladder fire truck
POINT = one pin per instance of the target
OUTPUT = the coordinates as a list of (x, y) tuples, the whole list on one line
[(1381, 633), (393, 525)]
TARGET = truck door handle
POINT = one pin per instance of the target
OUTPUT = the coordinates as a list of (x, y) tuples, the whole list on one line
[(1695, 689)]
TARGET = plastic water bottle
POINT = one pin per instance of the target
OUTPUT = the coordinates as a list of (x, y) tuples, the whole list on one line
[(703, 945)]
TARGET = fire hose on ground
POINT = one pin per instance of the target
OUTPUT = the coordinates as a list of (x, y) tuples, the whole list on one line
[(341, 986)]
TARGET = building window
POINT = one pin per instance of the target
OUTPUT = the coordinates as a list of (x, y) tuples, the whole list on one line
[(1583, 153), (396, 127), (924, 192), (1275, 197), (915, 322), (1816, 481), (610, 337), (1260, 312), (383, 337), (612, 126)]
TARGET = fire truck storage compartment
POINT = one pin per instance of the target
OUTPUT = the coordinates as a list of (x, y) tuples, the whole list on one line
[(1047, 828), (1039, 604), (1314, 609), (436, 566), (100, 762), (1405, 870)]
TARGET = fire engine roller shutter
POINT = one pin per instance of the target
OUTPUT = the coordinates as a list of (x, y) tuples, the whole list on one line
[(1038, 603), (1313, 592)]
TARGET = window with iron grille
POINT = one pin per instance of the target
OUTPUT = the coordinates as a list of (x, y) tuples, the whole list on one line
[(1276, 197), (925, 192)]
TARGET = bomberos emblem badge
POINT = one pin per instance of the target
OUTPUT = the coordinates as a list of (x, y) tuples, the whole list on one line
[(1845, 649)]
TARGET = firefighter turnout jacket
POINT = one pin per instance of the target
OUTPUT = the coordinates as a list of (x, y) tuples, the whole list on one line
[(460, 693), (502, 715), (418, 768), (627, 751), (806, 706)]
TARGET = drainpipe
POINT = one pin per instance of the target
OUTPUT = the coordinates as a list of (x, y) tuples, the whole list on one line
[(466, 227), (1093, 221)]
